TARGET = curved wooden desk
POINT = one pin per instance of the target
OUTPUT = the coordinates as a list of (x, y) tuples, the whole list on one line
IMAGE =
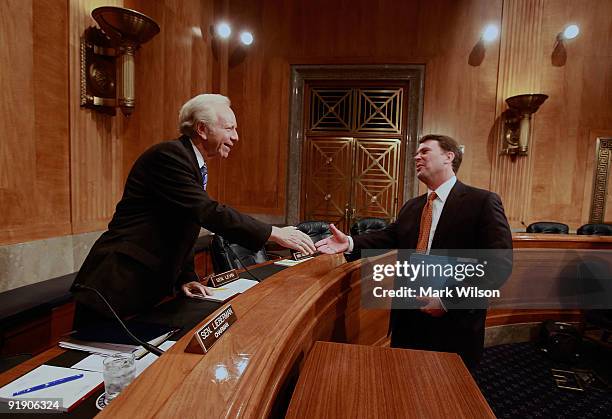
[(560, 241), (248, 370), (497, 317), (251, 368)]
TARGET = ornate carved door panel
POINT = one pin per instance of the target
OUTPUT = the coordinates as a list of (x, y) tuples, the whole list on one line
[(352, 152), (327, 179), (375, 185)]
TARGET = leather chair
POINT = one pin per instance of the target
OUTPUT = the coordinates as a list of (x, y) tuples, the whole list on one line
[(224, 260), (366, 225), (548, 227), (317, 230), (595, 230)]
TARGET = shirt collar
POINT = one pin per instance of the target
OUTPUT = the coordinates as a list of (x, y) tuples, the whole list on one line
[(198, 155), (444, 189)]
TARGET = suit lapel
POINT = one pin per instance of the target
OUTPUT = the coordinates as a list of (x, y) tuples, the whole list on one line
[(452, 207), (192, 157), (413, 231)]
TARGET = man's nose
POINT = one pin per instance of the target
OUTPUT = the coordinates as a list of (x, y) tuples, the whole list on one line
[(235, 136)]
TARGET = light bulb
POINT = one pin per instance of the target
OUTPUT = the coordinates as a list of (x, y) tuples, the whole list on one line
[(246, 38), (490, 33), (224, 30), (571, 31)]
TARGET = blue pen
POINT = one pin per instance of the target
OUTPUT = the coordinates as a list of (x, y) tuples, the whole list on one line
[(49, 384)]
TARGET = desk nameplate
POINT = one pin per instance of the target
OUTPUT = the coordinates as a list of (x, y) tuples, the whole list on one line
[(218, 280), (206, 336)]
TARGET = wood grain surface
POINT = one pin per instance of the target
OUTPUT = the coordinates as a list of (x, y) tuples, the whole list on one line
[(34, 149), (247, 369), (354, 381)]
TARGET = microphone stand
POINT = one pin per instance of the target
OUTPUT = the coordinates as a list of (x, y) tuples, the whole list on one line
[(153, 349)]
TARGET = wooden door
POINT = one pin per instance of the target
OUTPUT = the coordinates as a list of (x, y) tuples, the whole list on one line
[(327, 176), (352, 155), (376, 179)]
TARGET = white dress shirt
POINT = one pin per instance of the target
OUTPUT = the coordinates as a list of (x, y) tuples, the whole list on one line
[(438, 205), (199, 156)]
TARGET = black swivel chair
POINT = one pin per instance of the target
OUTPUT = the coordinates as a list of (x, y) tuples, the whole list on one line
[(595, 230), (317, 230), (548, 227), (367, 225), (224, 260)]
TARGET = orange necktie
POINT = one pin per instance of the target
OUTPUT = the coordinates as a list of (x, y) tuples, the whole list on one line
[(426, 218)]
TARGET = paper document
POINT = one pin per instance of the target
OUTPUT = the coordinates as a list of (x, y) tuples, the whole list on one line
[(112, 348), (94, 362), (227, 291), (290, 262), (60, 384)]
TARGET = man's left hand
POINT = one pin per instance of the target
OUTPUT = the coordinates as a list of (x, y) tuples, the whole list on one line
[(433, 306), (194, 289)]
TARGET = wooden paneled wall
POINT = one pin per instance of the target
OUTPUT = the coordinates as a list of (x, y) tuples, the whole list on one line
[(96, 143), (459, 98), (464, 97), (62, 168), (34, 147)]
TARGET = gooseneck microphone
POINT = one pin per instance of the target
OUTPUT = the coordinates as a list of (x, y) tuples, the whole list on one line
[(153, 349), (229, 249)]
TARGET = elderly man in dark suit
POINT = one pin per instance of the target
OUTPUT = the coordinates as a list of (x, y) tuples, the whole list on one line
[(451, 215), (147, 252)]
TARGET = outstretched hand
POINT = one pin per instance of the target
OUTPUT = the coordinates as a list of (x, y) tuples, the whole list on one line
[(293, 238), (338, 242)]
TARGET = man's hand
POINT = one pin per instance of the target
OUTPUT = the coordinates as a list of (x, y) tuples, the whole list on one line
[(194, 289), (433, 306), (293, 238), (338, 242)]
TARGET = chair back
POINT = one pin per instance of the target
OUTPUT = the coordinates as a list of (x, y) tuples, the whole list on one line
[(317, 230), (224, 260), (367, 225), (595, 230), (548, 227)]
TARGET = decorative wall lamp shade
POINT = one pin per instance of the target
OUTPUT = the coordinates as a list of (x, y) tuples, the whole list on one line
[(107, 58), (517, 121)]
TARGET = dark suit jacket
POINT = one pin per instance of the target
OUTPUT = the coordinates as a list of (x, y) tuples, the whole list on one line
[(148, 249), (471, 219)]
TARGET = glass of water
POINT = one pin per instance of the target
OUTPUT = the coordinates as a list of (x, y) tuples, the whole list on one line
[(119, 371)]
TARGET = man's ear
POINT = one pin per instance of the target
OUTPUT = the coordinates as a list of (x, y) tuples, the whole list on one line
[(452, 156), (202, 129)]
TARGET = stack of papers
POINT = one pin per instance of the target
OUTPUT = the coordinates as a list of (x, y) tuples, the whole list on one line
[(68, 386), (227, 291), (106, 348), (94, 362), (290, 262)]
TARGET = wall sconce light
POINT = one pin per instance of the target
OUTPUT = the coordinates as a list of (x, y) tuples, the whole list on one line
[(517, 121), (559, 54), (107, 58), (222, 33), (488, 35)]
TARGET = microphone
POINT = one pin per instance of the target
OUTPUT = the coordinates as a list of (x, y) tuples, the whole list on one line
[(229, 249), (153, 349)]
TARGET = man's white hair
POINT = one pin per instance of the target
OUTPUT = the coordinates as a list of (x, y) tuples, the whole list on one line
[(202, 108)]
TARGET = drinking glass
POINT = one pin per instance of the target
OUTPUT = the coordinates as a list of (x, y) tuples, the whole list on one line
[(119, 371)]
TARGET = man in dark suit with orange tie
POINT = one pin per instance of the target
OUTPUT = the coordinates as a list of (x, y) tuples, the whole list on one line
[(451, 215), (147, 252)]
